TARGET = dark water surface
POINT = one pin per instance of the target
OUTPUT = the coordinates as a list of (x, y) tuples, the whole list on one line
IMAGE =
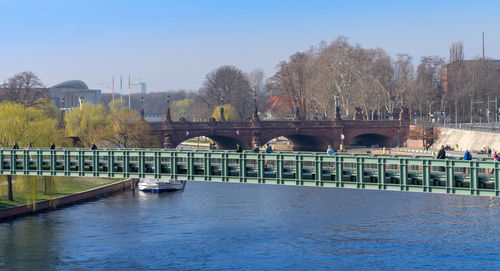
[(221, 226)]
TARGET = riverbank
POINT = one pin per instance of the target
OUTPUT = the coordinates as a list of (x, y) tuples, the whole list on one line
[(111, 187)]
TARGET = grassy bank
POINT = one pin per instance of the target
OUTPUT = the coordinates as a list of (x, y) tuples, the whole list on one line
[(62, 186)]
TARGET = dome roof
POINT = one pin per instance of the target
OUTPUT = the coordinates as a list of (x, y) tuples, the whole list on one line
[(74, 84)]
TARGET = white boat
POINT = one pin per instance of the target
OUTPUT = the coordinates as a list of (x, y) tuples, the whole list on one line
[(160, 185)]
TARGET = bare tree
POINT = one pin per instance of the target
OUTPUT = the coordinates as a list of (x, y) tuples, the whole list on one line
[(23, 88), (292, 80), (228, 85)]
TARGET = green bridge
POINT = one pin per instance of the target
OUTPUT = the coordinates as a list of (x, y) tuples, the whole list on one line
[(362, 171)]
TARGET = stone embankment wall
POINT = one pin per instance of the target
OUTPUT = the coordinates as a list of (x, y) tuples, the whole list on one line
[(46, 205), (467, 140)]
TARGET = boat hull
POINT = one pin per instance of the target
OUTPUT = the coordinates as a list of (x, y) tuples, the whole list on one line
[(160, 185)]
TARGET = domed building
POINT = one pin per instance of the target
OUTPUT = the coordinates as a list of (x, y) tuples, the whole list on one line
[(69, 93)]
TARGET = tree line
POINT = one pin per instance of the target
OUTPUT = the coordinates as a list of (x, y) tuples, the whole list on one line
[(367, 82)]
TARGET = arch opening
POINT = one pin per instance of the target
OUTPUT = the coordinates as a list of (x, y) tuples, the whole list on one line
[(302, 143), (370, 141)]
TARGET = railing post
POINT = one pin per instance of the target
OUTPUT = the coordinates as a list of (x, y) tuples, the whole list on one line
[(38, 162), (157, 164), (190, 166), (225, 167), (173, 164), (141, 164), (473, 178), (126, 164), (260, 167), (298, 169), (111, 163), (81, 162), (339, 170), (26, 161), (318, 169), (13, 162), (381, 173), (279, 169), (426, 175), (359, 171), (95, 163), (403, 174), (450, 184), (53, 162), (207, 167), (67, 162), (243, 167)]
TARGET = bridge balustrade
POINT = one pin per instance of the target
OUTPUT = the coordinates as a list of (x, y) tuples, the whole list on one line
[(363, 171)]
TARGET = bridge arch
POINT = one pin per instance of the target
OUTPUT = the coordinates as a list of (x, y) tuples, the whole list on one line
[(301, 142), (371, 139), (222, 142)]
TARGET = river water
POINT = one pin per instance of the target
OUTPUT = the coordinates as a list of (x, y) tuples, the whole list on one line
[(222, 226)]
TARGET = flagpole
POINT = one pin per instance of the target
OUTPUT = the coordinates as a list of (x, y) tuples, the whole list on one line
[(129, 93), (113, 87), (121, 88)]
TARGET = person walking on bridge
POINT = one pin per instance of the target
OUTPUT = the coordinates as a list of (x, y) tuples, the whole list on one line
[(93, 147), (16, 147), (52, 146), (467, 157), (441, 155), (238, 148), (330, 151)]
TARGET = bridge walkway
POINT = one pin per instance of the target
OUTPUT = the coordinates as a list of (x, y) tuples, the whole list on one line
[(362, 171)]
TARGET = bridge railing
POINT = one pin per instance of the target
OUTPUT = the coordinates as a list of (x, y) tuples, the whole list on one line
[(384, 172)]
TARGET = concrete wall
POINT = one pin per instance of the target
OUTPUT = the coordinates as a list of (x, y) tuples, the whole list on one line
[(53, 204), (467, 140)]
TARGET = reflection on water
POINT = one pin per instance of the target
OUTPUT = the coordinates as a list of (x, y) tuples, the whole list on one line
[(214, 226)]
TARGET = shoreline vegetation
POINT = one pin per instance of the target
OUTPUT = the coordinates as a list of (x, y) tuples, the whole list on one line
[(63, 186)]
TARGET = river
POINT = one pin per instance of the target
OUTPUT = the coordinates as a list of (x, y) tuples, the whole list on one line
[(223, 226)]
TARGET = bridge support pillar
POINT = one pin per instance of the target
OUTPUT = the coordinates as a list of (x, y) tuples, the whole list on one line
[(9, 188)]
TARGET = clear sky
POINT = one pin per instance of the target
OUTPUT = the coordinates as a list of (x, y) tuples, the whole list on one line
[(174, 44)]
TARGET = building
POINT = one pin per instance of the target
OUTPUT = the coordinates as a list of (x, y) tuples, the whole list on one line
[(140, 87), (68, 94)]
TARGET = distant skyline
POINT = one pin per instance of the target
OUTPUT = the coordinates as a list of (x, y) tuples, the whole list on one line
[(172, 45)]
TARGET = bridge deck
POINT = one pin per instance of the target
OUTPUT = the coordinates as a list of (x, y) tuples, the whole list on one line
[(384, 172)]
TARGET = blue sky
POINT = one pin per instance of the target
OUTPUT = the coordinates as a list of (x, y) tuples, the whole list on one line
[(174, 44)]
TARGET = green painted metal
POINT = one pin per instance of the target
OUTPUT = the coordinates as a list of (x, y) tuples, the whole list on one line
[(362, 171)]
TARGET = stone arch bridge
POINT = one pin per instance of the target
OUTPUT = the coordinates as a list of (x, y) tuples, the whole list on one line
[(305, 135)]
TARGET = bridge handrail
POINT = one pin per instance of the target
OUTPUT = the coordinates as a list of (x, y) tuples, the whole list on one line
[(307, 168)]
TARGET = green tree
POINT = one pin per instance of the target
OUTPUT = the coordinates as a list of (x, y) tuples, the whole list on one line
[(230, 113), (26, 124), (125, 129), (86, 122), (117, 105), (182, 108)]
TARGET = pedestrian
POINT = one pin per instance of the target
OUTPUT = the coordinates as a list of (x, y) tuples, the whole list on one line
[(330, 150), (488, 150), (496, 159), (16, 147), (268, 150), (467, 157), (52, 146), (93, 147), (238, 148), (30, 147), (441, 155), (256, 150)]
